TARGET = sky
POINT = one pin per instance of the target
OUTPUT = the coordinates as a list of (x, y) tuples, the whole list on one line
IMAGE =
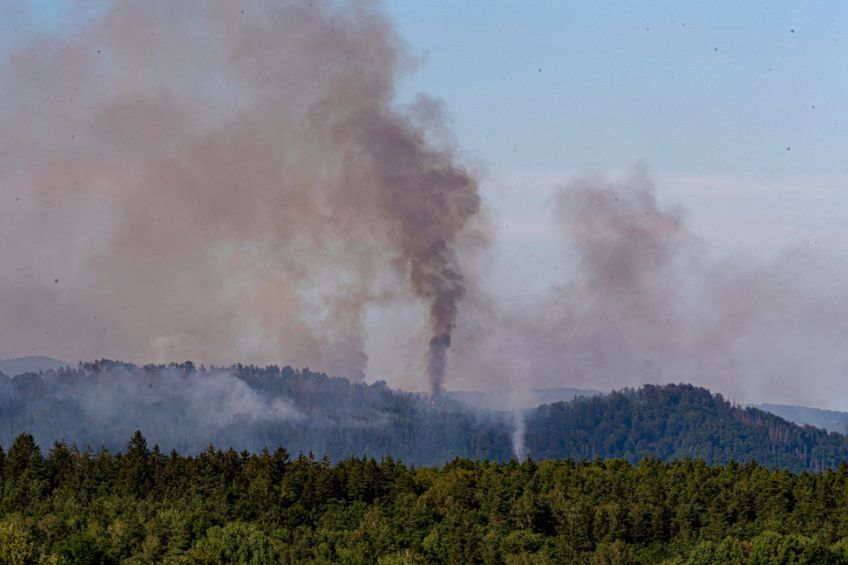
[(735, 110), (736, 107)]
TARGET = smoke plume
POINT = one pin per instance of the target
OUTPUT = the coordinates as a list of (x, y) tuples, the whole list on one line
[(222, 182), (645, 301)]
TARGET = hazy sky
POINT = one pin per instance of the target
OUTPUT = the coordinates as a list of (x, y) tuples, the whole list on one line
[(737, 110)]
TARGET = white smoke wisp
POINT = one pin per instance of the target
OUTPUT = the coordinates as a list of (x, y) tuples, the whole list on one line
[(519, 448), (208, 400)]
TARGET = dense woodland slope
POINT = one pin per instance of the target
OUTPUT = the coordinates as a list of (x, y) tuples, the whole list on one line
[(186, 408), (143, 506), (676, 421)]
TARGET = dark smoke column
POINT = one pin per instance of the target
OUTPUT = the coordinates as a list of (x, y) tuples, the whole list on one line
[(428, 199)]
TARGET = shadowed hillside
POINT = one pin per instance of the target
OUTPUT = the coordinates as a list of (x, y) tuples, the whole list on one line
[(676, 421)]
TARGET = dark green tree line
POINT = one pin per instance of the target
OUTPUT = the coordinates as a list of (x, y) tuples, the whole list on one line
[(143, 506)]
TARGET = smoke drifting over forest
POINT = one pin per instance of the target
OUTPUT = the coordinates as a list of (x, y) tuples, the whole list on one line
[(648, 304), (237, 183), (223, 181), (188, 408)]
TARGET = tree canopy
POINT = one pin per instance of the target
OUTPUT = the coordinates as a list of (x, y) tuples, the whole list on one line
[(141, 505)]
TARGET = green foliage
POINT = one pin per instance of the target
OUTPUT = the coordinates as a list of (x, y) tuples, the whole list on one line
[(79, 549), (235, 542), (17, 546), (226, 507)]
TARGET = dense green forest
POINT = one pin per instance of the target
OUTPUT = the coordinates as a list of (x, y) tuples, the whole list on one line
[(144, 506), (676, 421), (184, 407), (635, 476)]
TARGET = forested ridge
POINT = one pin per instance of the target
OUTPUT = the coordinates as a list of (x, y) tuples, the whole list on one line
[(185, 407), (646, 475), (676, 421), (145, 506)]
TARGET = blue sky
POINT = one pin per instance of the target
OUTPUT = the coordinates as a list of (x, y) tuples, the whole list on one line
[(684, 86), (688, 87), (738, 109)]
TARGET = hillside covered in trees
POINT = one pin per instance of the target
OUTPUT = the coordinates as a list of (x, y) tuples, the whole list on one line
[(186, 408), (143, 506), (677, 421)]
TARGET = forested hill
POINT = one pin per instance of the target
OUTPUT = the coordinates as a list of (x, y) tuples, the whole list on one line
[(187, 408), (677, 421)]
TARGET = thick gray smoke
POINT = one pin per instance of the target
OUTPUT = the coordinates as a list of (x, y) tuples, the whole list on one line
[(645, 302), (220, 182)]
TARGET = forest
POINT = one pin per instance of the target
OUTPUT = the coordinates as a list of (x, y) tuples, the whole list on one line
[(187, 408), (141, 505), (311, 468)]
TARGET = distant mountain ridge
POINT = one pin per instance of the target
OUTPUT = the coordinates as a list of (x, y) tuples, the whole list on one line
[(830, 420), (32, 364), (505, 400)]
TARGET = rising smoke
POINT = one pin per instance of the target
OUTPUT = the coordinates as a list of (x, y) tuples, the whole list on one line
[(645, 301), (224, 181), (237, 182)]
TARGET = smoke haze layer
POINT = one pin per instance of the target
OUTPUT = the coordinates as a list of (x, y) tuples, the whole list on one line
[(188, 408), (217, 182), (645, 302), (222, 182)]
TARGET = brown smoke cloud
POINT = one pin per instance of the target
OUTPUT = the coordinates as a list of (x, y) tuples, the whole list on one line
[(222, 182), (645, 302)]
